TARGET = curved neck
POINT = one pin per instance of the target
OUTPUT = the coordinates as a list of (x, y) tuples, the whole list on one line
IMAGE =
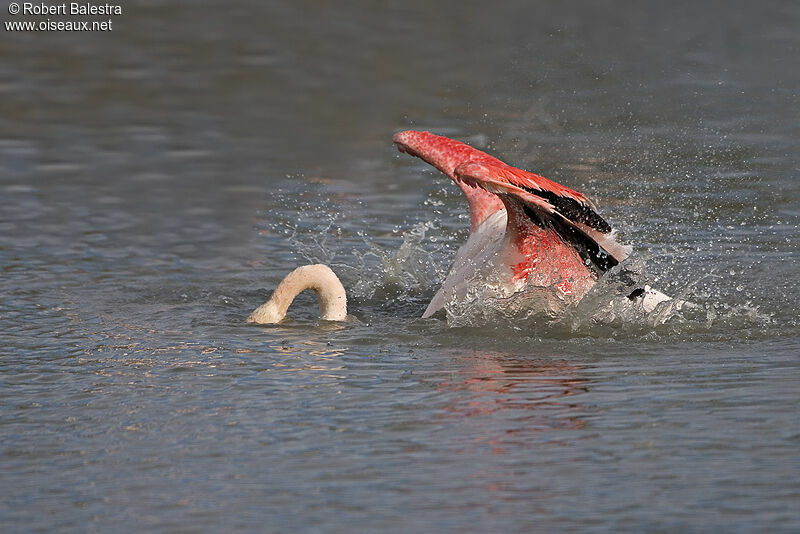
[(320, 278)]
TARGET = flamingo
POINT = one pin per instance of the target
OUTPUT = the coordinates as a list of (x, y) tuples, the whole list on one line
[(529, 231), (320, 278)]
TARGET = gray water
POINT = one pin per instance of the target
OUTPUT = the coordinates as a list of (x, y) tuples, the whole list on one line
[(158, 180)]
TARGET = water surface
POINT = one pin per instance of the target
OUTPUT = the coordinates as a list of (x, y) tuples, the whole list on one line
[(157, 182)]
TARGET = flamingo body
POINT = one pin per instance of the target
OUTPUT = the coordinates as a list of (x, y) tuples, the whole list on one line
[(529, 231), (483, 243)]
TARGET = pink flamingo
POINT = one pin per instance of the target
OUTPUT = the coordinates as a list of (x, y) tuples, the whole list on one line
[(531, 231)]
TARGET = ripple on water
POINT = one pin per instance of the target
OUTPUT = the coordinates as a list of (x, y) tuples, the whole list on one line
[(145, 211)]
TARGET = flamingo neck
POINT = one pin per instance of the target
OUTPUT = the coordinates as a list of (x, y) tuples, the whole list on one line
[(321, 279)]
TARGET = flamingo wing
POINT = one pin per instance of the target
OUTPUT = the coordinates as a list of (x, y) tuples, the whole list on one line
[(548, 204), (446, 154)]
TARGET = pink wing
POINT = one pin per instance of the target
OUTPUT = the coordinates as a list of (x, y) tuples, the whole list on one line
[(446, 154), (568, 212)]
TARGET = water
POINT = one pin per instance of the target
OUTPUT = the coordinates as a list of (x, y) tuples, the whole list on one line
[(157, 181)]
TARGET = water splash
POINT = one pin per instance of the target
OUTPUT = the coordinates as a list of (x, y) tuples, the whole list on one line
[(606, 310), (395, 271), (396, 275)]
